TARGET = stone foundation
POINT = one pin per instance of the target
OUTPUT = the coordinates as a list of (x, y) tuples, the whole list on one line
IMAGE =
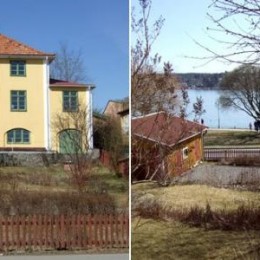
[(28, 158), (33, 159)]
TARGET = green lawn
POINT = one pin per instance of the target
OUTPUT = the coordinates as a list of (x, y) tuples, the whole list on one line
[(231, 137)]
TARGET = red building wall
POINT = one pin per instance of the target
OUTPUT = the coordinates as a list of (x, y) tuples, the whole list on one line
[(176, 161)]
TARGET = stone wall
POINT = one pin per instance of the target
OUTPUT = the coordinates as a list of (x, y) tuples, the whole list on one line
[(28, 159), (33, 159)]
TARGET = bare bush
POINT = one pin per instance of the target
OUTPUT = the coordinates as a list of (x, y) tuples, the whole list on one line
[(74, 125), (245, 217), (108, 136), (146, 207), (36, 202)]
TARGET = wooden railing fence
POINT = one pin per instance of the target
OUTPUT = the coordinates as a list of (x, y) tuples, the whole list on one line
[(215, 154), (42, 232)]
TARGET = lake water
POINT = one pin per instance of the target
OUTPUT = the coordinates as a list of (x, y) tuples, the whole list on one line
[(215, 117)]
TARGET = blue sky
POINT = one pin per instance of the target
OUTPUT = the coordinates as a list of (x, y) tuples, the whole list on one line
[(99, 28), (185, 20)]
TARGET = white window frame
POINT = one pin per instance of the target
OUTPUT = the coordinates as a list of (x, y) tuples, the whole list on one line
[(185, 153)]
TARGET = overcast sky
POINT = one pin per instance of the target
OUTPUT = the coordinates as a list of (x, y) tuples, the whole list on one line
[(185, 20), (99, 28)]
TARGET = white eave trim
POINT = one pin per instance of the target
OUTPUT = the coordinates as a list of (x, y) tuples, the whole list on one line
[(27, 56), (170, 145)]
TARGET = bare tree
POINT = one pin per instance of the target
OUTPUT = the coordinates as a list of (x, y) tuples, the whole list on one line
[(73, 129), (241, 90), (68, 65), (198, 109), (108, 136), (153, 92), (235, 25), (149, 87)]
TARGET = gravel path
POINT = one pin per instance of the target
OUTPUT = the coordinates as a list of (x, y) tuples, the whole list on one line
[(221, 175)]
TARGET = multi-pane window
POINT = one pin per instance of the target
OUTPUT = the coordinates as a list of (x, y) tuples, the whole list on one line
[(70, 101), (18, 100), (18, 136), (17, 68)]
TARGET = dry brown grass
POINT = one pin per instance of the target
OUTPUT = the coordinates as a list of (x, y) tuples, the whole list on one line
[(156, 239), (157, 234), (26, 190), (186, 196)]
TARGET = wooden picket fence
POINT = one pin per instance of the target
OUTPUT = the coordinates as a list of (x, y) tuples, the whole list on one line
[(42, 232), (215, 154)]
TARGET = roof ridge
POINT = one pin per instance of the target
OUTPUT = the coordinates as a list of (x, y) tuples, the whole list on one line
[(65, 83), (165, 130), (10, 46), (148, 115)]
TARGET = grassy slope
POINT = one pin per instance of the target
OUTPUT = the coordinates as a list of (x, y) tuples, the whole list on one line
[(231, 138), (186, 196), (173, 240), (154, 239), (55, 179), (117, 187)]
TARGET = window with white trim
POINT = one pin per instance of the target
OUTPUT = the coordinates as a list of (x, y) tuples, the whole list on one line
[(185, 152)]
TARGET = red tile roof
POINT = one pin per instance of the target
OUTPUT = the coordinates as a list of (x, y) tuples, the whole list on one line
[(165, 129), (10, 46), (63, 83)]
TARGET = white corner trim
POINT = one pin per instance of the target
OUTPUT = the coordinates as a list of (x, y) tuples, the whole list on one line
[(46, 104), (89, 118)]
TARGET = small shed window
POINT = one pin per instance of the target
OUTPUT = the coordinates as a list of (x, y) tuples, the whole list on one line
[(185, 153)]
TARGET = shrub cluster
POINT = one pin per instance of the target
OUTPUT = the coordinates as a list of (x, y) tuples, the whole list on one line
[(243, 218), (36, 202)]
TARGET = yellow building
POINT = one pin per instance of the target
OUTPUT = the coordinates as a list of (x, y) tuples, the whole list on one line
[(30, 102), (119, 109)]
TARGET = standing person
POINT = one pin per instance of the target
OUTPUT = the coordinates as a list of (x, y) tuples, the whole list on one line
[(250, 126)]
